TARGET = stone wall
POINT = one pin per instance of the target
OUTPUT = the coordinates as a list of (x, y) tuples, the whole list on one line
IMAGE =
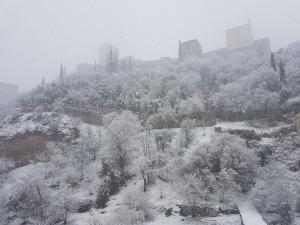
[(207, 211)]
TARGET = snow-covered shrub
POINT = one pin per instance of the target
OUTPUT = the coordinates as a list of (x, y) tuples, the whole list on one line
[(33, 202), (196, 189), (103, 193), (225, 154), (72, 178), (255, 95), (134, 198), (110, 183), (273, 194), (191, 108), (125, 216), (162, 120), (287, 151)]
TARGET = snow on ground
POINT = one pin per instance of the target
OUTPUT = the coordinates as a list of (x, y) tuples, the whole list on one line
[(162, 195), (250, 215), (114, 202), (36, 122), (16, 177), (202, 135), (170, 199)]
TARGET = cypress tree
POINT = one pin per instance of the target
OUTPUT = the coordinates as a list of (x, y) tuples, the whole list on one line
[(282, 74), (273, 63), (61, 74), (43, 83), (115, 61)]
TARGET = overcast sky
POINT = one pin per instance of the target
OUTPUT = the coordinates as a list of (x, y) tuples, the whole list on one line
[(37, 35)]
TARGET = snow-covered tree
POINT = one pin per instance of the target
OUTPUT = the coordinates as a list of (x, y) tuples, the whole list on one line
[(187, 126), (273, 192), (121, 132), (163, 138)]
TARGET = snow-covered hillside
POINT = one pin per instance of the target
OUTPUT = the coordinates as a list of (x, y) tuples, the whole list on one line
[(208, 140), (45, 123)]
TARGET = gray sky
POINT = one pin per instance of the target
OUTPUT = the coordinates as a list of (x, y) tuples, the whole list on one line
[(37, 35)]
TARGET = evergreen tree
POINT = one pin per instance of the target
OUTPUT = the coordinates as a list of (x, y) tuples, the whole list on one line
[(180, 51), (283, 94), (61, 74), (110, 61), (43, 83), (115, 61), (282, 74), (273, 63), (130, 64)]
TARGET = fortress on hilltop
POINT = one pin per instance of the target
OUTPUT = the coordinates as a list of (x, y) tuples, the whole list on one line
[(239, 38)]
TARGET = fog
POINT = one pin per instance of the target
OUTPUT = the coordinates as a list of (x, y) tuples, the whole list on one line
[(37, 35)]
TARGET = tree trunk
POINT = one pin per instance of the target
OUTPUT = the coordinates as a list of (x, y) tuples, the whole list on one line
[(94, 154), (65, 216), (145, 183), (194, 207), (222, 195)]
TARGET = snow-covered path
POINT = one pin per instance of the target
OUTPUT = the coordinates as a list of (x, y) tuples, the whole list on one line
[(250, 215)]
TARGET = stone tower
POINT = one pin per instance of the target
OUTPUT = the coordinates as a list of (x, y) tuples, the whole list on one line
[(239, 37), (189, 49)]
